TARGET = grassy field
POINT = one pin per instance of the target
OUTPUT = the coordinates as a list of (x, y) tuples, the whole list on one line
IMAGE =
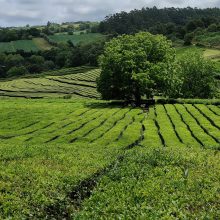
[(42, 44), (77, 38), (73, 82), (87, 159), (27, 45), (208, 53), (37, 44)]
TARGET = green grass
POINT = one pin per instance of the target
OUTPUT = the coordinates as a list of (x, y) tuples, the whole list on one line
[(76, 38), (27, 45), (87, 159), (42, 44), (6, 47), (208, 53)]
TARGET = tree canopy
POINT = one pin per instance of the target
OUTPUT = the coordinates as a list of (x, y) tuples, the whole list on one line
[(144, 65), (137, 65), (197, 75)]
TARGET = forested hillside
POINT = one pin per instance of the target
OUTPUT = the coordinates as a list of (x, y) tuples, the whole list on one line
[(172, 22)]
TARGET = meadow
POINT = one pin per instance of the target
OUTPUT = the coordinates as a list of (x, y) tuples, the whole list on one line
[(81, 159), (34, 45), (77, 38), (37, 44)]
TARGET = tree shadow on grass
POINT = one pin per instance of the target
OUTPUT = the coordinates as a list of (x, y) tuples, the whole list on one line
[(107, 105)]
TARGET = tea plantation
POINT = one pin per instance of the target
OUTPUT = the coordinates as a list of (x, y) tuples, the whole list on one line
[(82, 158), (74, 82)]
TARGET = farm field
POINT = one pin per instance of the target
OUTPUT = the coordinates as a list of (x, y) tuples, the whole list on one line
[(42, 44), (76, 38), (75, 82), (27, 45), (89, 159)]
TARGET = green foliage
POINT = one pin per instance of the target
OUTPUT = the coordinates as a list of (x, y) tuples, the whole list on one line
[(77, 38), (156, 183), (209, 39), (172, 22), (188, 39), (13, 60), (213, 28), (198, 76), (135, 66), (37, 59), (17, 71)]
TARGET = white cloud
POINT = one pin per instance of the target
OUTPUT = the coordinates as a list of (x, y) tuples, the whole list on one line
[(21, 12)]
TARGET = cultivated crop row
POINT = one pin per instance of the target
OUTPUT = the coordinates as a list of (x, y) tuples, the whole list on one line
[(77, 85), (184, 125), (166, 125), (70, 159)]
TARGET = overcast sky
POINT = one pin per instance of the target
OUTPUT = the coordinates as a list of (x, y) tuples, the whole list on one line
[(22, 12)]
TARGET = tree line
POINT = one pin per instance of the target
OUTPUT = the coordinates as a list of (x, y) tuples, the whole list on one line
[(180, 23), (64, 55)]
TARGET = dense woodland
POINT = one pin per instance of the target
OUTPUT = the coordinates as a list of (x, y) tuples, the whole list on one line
[(172, 22)]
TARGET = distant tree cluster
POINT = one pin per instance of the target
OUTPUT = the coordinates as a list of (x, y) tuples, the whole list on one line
[(144, 65), (64, 55), (8, 34), (178, 23), (27, 33)]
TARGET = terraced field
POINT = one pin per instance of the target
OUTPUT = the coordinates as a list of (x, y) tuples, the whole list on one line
[(78, 85), (166, 125), (70, 159)]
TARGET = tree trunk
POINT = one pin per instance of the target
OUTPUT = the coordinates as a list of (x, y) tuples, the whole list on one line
[(137, 97)]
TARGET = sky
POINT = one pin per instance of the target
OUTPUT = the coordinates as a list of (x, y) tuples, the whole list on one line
[(37, 12)]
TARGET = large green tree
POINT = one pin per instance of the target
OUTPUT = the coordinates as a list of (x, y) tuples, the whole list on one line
[(138, 65), (197, 75)]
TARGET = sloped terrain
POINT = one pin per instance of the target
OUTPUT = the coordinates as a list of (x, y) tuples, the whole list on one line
[(91, 160), (79, 84)]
